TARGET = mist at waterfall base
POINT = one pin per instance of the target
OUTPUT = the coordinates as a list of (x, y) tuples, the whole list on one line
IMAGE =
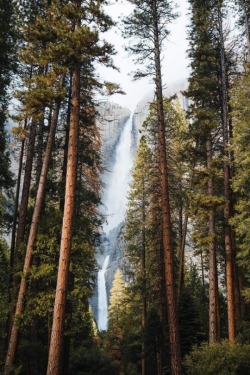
[(114, 201)]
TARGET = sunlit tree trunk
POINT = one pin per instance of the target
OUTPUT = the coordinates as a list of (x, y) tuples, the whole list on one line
[(56, 342), (166, 220)]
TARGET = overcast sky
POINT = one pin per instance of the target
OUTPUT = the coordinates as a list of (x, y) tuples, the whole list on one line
[(174, 65)]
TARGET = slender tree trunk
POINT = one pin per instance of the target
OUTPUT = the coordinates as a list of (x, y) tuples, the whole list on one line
[(227, 193), (182, 255), (202, 270), (26, 187), (168, 254), (213, 282), (246, 20), (31, 242), (65, 154), (180, 227), (56, 341), (144, 280), (39, 150), (164, 355), (13, 238), (18, 185)]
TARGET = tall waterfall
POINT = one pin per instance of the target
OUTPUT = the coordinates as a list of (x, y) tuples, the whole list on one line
[(115, 195), (115, 199), (102, 297)]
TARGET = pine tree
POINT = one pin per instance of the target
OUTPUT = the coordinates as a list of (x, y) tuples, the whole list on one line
[(204, 92), (117, 308), (148, 24), (91, 38), (136, 230), (240, 145)]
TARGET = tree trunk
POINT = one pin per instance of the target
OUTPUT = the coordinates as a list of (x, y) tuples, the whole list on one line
[(56, 341), (13, 238), (144, 280), (227, 192), (65, 154), (246, 21), (39, 150), (213, 281), (31, 242), (202, 270), (26, 187), (18, 185), (166, 220), (182, 255), (164, 352)]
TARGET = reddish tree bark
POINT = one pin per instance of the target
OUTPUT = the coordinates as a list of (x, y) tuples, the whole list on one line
[(230, 277), (166, 220), (213, 280), (11, 353), (56, 342)]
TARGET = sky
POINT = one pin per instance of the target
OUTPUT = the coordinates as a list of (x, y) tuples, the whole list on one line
[(174, 64)]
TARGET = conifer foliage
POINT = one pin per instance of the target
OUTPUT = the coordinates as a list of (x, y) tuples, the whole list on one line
[(185, 285), (148, 24)]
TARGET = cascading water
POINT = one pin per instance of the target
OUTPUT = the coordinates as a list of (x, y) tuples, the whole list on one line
[(102, 297), (115, 199), (115, 195)]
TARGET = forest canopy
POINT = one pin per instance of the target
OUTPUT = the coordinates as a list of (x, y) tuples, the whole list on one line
[(179, 290)]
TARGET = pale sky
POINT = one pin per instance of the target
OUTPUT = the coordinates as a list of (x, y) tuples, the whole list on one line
[(174, 65)]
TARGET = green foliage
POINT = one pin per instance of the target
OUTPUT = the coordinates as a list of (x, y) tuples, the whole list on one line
[(90, 360), (191, 329), (140, 27), (116, 302), (241, 140), (219, 359)]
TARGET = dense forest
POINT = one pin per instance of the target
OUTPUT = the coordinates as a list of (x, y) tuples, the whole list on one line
[(181, 304)]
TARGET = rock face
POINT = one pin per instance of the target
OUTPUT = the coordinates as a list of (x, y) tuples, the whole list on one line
[(111, 121)]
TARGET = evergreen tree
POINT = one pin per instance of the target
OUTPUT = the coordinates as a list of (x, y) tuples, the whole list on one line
[(117, 308), (7, 68), (148, 24), (136, 230), (240, 145), (207, 114)]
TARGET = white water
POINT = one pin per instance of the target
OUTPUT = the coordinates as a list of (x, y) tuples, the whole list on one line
[(115, 195), (102, 297)]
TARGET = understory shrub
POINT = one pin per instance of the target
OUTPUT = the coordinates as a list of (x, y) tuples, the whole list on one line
[(219, 359)]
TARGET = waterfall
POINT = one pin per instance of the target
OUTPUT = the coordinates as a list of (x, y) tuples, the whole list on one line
[(115, 195), (115, 200), (102, 297)]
